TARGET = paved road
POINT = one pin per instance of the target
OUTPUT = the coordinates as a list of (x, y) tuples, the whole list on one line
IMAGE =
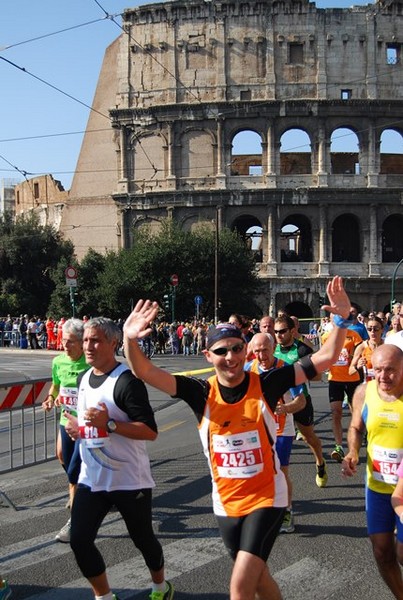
[(328, 556)]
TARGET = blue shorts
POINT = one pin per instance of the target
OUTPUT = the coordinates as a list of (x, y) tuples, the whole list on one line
[(283, 449), (381, 518)]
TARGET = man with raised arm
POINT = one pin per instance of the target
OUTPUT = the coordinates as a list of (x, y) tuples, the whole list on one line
[(235, 414)]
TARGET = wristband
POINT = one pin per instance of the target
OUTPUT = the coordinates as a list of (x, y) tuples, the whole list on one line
[(308, 367), (50, 396), (342, 323)]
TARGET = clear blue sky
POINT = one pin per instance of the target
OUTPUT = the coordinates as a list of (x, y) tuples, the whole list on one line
[(70, 61)]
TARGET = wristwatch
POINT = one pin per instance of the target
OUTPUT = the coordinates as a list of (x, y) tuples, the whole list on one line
[(111, 425)]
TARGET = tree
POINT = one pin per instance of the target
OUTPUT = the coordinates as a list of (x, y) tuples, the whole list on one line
[(28, 254), (144, 271)]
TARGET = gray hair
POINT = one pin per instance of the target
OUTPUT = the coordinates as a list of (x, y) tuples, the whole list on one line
[(110, 328), (74, 326)]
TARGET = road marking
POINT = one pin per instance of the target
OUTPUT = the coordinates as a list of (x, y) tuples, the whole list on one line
[(131, 577), (169, 426)]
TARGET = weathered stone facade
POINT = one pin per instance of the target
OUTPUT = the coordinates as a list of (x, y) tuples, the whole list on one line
[(187, 76), (43, 195)]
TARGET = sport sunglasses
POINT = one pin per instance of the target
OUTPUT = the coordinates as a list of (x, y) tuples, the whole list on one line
[(224, 350), (281, 331)]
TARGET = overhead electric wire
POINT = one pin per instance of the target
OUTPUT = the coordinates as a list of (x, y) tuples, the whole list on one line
[(224, 112)]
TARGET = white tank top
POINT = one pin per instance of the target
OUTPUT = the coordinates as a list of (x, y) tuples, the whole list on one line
[(110, 461)]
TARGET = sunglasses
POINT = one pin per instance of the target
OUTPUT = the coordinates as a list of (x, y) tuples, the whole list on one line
[(281, 331), (224, 351), (373, 328)]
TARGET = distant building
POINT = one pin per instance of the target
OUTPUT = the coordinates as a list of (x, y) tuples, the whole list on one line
[(43, 195), (187, 76), (7, 195)]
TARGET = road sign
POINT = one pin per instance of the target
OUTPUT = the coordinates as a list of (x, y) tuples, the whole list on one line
[(174, 280), (198, 300), (71, 276)]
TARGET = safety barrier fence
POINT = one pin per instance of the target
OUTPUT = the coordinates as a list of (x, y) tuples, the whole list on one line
[(28, 433)]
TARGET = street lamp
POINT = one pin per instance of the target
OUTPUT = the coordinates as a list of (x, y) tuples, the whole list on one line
[(392, 294), (216, 254)]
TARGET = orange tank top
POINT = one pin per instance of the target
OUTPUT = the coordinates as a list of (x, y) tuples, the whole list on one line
[(238, 441)]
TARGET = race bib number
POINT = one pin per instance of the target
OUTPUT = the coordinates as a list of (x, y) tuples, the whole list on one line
[(93, 437), (385, 463), (238, 456), (68, 398)]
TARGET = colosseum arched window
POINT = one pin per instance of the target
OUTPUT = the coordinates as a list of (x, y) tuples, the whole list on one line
[(246, 153), (391, 152), (346, 239), (296, 239), (250, 229), (392, 239), (295, 153), (345, 154)]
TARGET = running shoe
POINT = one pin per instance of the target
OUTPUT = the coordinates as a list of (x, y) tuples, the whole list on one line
[(345, 402), (298, 435), (287, 525), (321, 475), (64, 534), (5, 590), (338, 453), (168, 595)]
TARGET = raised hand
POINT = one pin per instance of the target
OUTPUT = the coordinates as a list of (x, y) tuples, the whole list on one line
[(339, 301), (137, 324)]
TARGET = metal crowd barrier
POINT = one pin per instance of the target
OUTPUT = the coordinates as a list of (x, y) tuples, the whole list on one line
[(28, 433)]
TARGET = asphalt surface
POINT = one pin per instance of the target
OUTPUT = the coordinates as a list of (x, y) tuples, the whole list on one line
[(327, 557)]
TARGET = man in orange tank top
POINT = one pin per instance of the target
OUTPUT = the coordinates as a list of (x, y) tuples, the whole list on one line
[(235, 414)]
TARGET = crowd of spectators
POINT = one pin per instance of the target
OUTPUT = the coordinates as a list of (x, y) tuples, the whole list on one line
[(183, 337)]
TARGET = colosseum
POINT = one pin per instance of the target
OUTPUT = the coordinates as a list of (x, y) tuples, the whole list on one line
[(188, 79)]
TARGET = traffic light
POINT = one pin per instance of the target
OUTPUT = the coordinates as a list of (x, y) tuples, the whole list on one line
[(166, 301)]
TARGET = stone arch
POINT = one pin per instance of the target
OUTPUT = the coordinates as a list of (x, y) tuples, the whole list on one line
[(345, 151), (147, 157), (294, 157), (197, 153), (296, 239), (391, 161), (141, 221), (346, 239), (392, 239), (246, 152), (250, 229), (299, 309)]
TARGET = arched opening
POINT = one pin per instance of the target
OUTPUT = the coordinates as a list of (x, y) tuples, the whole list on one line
[(295, 153), (391, 152), (392, 239), (299, 309), (251, 231), (296, 239), (344, 152), (246, 154), (346, 239)]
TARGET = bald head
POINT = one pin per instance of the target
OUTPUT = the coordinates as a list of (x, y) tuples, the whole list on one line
[(387, 361), (387, 352), (262, 346), (262, 339), (266, 325)]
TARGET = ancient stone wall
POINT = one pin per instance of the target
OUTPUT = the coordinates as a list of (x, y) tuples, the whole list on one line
[(187, 76)]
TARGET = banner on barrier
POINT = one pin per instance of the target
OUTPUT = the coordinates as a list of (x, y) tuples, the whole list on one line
[(24, 394)]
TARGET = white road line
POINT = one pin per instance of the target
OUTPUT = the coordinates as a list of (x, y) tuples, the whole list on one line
[(131, 577)]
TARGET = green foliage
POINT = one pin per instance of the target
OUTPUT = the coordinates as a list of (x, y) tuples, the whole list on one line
[(28, 254), (33, 260), (145, 270)]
